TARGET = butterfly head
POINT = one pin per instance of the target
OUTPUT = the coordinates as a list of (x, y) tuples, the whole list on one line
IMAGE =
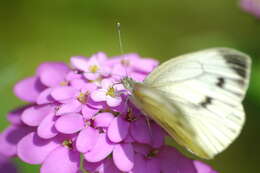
[(128, 83)]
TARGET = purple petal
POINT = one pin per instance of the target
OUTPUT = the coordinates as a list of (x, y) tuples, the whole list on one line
[(52, 74), (186, 165), (157, 135), (87, 139), (101, 150), (106, 83), (139, 164), (103, 119), (140, 131), (10, 137), (45, 97), (98, 95), (14, 117), (114, 101), (145, 65), (123, 156), (70, 107), (33, 149), (88, 87), (78, 83), (34, 115), (91, 76), (70, 123), (62, 160), (28, 89), (88, 112), (80, 63), (63, 93), (109, 167), (6, 165), (202, 167), (93, 167), (118, 129), (46, 128), (142, 148), (169, 159), (153, 166)]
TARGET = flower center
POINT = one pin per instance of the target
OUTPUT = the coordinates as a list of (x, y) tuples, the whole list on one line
[(125, 62), (111, 92), (93, 68), (67, 143), (152, 153), (83, 97), (64, 83), (130, 117)]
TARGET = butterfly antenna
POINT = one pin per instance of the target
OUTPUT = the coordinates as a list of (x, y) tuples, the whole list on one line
[(118, 28)]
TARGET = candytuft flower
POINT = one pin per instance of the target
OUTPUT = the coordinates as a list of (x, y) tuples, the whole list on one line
[(251, 6), (79, 117)]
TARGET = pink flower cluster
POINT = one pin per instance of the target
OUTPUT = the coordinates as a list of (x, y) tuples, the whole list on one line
[(78, 119), (251, 6)]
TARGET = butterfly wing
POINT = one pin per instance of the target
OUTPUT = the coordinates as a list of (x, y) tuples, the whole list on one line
[(207, 88)]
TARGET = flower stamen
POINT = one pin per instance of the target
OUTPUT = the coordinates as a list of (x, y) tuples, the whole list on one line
[(111, 92), (93, 68), (67, 143)]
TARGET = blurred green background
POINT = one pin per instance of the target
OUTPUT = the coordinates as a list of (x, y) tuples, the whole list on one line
[(34, 31)]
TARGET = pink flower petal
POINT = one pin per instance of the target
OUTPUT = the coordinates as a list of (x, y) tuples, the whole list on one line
[(106, 83), (80, 63), (153, 166), (87, 139), (92, 167), (33, 149), (78, 83), (70, 107), (186, 165), (14, 116), (103, 119), (62, 160), (28, 89), (45, 97), (139, 164), (114, 101), (46, 128), (34, 115), (88, 87), (101, 150), (140, 131), (145, 65), (63, 93), (202, 167), (169, 159), (91, 76), (10, 137), (108, 167), (52, 74), (123, 156), (118, 129), (157, 135), (142, 148), (88, 112), (70, 123), (98, 95)]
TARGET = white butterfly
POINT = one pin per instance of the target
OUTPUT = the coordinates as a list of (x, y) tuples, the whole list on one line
[(197, 98)]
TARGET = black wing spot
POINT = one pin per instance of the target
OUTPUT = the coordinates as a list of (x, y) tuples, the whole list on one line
[(221, 82), (206, 102), (235, 60), (237, 63)]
